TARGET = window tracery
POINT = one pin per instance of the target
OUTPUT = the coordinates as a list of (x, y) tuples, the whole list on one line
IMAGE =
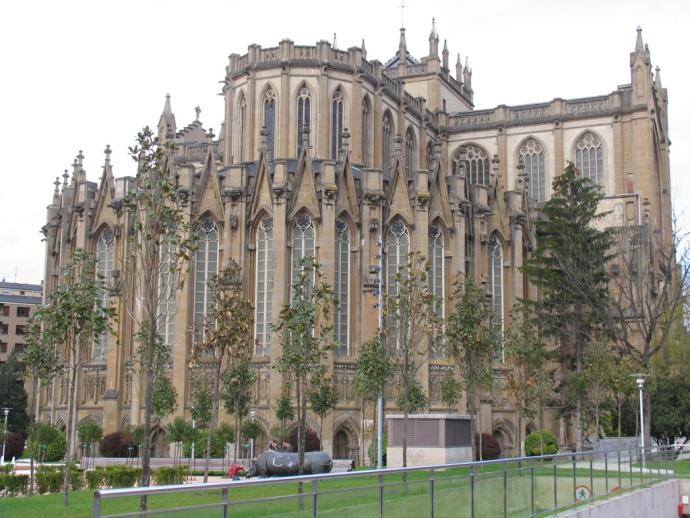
[(476, 162), (589, 157), (397, 251), (410, 154), (495, 274), (263, 287), (205, 267), (270, 119), (387, 142), (303, 115), (303, 238), (104, 268), (436, 278), (341, 325), (336, 123), (531, 154), (366, 132)]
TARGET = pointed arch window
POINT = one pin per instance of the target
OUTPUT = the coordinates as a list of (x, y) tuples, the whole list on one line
[(589, 158), (436, 278), (531, 155), (242, 126), (303, 115), (270, 120), (104, 268), (495, 274), (341, 325), (263, 287), (387, 142), (205, 267), (476, 162), (410, 154), (303, 238), (366, 132), (397, 251), (166, 293), (336, 123)]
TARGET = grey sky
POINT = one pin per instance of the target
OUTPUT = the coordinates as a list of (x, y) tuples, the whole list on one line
[(80, 75)]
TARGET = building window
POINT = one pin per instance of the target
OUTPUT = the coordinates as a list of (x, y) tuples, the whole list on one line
[(104, 268), (3, 347), (495, 274), (303, 115), (336, 124), (205, 267), (476, 162), (263, 287), (5, 311), (19, 348), (303, 236), (166, 294), (243, 126), (19, 330), (366, 132), (4, 329), (436, 278), (532, 156), (397, 250), (341, 325), (410, 154), (23, 312), (589, 158), (270, 121), (387, 142)]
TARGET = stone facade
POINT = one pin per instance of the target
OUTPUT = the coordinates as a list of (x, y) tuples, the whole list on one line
[(325, 152)]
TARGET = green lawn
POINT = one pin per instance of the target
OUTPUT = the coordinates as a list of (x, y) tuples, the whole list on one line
[(355, 497)]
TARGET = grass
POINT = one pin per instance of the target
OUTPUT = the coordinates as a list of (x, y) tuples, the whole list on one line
[(357, 496)]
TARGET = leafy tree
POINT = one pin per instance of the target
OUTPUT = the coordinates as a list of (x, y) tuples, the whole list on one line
[(73, 315), (410, 328), (412, 398), (178, 431), (227, 336), (373, 371), (593, 383), (306, 336), (569, 267), (285, 412), (90, 432), (13, 395), (540, 442), (323, 396), (450, 389), (164, 398), (530, 380), (201, 403), (237, 392), (670, 413), (472, 340), (160, 245)]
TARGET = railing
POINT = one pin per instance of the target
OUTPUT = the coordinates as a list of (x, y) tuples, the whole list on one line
[(526, 486)]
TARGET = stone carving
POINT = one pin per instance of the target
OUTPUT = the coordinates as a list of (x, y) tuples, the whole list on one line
[(262, 383), (530, 113), (282, 464), (587, 106), (436, 373), (474, 118), (344, 374)]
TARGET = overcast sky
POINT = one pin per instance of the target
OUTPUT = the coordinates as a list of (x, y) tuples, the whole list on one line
[(80, 75)]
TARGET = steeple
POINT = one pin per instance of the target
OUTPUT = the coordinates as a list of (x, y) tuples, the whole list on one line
[(364, 49), (458, 69), (335, 40), (640, 71), (657, 79), (445, 54), (402, 47), (433, 40), (466, 73), (166, 124)]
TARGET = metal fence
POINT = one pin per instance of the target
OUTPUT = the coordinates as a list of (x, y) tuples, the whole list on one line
[(515, 487)]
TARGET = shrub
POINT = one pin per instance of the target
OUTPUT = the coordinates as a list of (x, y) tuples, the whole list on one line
[(76, 479), (168, 475), (14, 446), (116, 444), (95, 479), (371, 452), (491, 449), (121, 476), (14, 484), (89, 432), (49, 479), (6, 469), (311, 443), (53, 440), (535, 440)]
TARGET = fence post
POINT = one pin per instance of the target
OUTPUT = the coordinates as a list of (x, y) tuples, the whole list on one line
[(531, 474), (472, 475), (574, 480), (96, 506), (630, 456), (641, 467), (591, 476), (224, 499), (505, 490), (606, 470), (381, 495), (620, 485), (314, 496), (555, 486), (431, 492)]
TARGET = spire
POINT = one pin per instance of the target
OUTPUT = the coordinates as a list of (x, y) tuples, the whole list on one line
[(335, 40), (364, 49), (65, 178), (445, 54), (167, 110), (466, 72), (641, 50), (166, 124), (107, 152), (657, 79), (56, 183), (639, 47), (433, 40), (402, 47), (80, 158), (458, 69)]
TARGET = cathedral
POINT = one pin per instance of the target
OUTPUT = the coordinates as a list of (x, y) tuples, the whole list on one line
[(330, 153)]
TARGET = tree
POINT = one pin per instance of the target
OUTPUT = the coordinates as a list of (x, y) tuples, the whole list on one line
[(529, 377), (227, 336), (164, 398), (472, 340), (450, 389), (306, 336), (90, 432), (323, 396), (73, 315), (593, 383), (159, 247), (569, 267), (373, 371), (13, 395), (178, 431), (285, 412), (649, 287), (670, 414), (409, 328), (237, 392)]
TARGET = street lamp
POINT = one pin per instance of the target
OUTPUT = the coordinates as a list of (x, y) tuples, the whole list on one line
[(639, 379), (6, 411), (253, 417)]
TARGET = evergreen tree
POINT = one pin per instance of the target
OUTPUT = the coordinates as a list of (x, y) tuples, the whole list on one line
[(568, 266)]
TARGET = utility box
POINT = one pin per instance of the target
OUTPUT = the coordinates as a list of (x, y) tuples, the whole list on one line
[(431, 439)]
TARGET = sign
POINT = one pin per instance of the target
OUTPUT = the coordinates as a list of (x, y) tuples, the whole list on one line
[(583, 493)]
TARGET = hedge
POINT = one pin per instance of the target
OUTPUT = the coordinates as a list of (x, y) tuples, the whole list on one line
[(168, 475), (50, 479), (121, 476), (14, 484), (116, 444), (533, 444), (491, 448)]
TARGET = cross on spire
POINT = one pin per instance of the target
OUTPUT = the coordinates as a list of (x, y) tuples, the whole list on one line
[(56, 183), (198, 113), (402, 13), (107, 153)]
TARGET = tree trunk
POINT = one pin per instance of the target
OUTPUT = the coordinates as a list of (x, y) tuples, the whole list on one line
[(212, 424), (148, 397), (70, 425), (519, 431), (620, 405), (479, 426), (578, 407), (237, 434), (34, 405), (320, 433)]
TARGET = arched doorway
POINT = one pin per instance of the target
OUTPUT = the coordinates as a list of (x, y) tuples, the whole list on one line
[(159, 443), (346, 444)]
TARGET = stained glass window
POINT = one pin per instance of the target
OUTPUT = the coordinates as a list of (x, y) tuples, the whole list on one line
[(270, 120), (366, 132), (104, 268), (387, 142), (303, 237), (589, 158), (341, 325), (336, 124), (532, 156), (263, 287), (410, 154), (476, 162), (436, 276), (205, 267), (303, 115)]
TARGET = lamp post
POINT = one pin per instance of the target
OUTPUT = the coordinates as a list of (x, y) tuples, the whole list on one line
[(251, 451), (6, 411), (640, 385)]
